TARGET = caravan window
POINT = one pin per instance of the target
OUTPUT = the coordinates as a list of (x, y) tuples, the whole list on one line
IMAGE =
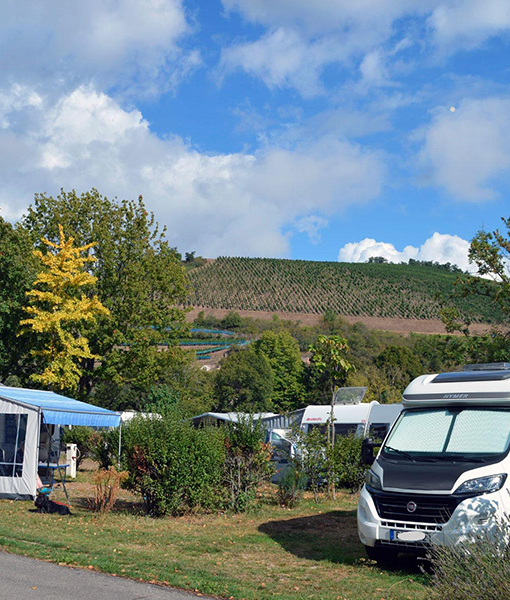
[(341, 429), (13, 430)]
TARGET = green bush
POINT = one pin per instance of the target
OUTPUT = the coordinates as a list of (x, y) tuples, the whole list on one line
[(291, 487), (247, 461), (479, 568), (349, 470), (104, 447), (173, 466), (82, 437), (311, 457)]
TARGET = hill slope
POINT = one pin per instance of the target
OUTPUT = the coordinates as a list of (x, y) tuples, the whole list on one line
[(356, 289)]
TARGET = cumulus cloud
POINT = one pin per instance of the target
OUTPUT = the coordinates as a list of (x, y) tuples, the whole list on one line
[(213, 203), (468, 23), (441, 248), (133, 44), (283, 58), (315, 34), (467, 150)]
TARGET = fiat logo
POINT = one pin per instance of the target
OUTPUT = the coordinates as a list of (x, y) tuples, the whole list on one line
[(411, 507)]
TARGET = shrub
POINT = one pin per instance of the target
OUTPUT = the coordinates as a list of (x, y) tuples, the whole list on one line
[(173, 466), (291, 487), (82, 437), (104, 447), (247, 461), (477, 568), (107, 483), (349, 470), (312, 456)]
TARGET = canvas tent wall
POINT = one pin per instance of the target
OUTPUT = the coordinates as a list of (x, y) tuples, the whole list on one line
[(22, 413)]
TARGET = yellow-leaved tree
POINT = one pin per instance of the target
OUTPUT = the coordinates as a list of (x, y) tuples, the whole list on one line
[(58, 309)]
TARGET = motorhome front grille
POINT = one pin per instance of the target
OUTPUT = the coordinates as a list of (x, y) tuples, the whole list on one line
[(414, 508), (418, 526)]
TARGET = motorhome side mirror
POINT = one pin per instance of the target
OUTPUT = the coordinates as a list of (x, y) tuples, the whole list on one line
[(367, 451)]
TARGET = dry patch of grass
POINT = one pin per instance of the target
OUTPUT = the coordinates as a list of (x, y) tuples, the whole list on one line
[(309, 552)]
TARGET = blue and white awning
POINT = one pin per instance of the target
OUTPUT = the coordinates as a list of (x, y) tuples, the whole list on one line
[(60, 410)]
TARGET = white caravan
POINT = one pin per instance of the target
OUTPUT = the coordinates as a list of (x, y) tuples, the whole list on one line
[(441, 474), (360, 419)]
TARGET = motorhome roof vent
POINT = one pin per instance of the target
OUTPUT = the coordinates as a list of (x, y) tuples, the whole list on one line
[(474, 375), (499, 366)]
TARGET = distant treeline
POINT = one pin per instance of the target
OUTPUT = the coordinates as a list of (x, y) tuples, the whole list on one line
[(449, 267)]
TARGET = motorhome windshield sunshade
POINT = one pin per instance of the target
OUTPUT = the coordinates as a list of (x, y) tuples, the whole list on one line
[(471, 376)]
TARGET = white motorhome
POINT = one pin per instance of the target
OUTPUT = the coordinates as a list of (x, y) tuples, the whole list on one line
[(441, 474)]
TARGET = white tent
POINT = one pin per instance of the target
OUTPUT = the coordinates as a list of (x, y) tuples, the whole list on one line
[(24, 414)]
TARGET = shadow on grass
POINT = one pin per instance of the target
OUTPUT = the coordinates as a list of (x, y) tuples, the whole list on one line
[(121, 506), (330, 536)]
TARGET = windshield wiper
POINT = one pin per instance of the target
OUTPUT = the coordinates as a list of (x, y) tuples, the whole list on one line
[(456, 459), (400, 453)]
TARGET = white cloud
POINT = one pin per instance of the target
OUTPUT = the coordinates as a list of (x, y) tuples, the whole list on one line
[(283, 58), (303, 37), (466, 150), (468, 23), (223, 203), (133, 44), (311, 225), (441, 248)]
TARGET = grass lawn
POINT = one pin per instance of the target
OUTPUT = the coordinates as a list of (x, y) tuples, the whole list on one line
[(309, 552)]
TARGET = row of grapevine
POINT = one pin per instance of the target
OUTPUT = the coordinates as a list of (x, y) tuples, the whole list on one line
[(381, 290)]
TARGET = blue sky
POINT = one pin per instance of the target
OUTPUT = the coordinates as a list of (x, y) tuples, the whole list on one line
[(320, 130)]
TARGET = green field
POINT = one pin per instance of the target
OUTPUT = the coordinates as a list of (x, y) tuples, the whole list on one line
[(358, 289), (310, 552)]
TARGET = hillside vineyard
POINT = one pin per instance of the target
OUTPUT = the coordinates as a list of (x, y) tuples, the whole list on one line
[(358, 289)]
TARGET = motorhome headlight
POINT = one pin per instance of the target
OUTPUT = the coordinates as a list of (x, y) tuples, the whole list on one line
[(482, 485), (373, 480)]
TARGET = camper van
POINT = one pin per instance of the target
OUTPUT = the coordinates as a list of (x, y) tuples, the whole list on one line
[(441, 474)]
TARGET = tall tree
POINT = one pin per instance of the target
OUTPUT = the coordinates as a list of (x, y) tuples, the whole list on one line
[(329, 360), (329, 364), (400, 365), (490, 253), (17, 273), (244, 382), (140, 278), (58, 308), (282, 351)]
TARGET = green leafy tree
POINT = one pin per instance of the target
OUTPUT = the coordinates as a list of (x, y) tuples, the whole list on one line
[(18, 270), (59, 308), (329, 364), (244, 382), (400, 365), (232, 320), (329, 360), (489, 252), (140, 278), (282, 351)]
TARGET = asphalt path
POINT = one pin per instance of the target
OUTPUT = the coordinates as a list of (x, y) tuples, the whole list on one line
[(29, 579)]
